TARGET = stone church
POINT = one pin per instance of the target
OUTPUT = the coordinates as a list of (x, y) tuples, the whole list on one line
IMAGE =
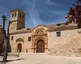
[(54, 39)]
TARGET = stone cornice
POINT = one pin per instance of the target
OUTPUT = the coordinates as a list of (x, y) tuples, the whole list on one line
[(20, 32)]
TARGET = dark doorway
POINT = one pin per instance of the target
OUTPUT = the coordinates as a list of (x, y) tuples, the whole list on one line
[(19, 47), (40, 46)]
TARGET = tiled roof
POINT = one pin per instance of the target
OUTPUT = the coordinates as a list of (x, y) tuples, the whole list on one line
[(51, 27), (61, 28), (24, 30)]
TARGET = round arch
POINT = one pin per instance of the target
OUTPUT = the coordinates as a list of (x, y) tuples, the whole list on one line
[(40, 38), (19, 39), (39, 31), (19, 47)]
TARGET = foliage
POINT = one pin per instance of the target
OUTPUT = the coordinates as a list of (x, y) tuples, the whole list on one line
[(74, 14)]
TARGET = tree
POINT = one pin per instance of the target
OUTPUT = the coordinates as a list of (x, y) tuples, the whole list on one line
[(5, 40), (74, 14)]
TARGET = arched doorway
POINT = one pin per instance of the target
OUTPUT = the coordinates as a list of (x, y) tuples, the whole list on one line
[(19, 47), (40, 48)]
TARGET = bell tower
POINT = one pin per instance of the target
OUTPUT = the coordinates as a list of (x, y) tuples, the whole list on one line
[(17, 20)]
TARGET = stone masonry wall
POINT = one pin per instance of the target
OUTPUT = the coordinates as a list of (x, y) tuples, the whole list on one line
[(68, 44), (26, 45)]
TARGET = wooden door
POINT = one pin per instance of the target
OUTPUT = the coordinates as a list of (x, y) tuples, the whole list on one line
[(19, 47), (40, 46)]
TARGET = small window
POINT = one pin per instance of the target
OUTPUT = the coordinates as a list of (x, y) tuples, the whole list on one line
[(20, 15), (58, 34), (29, 38), (12, 38), (15, 14), (12, 14)]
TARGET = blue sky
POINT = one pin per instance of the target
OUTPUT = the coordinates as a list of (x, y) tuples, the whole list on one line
[(37, 11)]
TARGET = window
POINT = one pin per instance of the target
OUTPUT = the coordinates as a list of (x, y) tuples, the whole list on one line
[(29, 38), (15, 14), (20, 15), (12, 14), (58, 34), (12, 38)]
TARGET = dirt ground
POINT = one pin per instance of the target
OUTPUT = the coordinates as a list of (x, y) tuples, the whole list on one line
[(41, 59)]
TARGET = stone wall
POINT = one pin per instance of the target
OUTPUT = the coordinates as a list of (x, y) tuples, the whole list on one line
[(68, 44), (26, 45)]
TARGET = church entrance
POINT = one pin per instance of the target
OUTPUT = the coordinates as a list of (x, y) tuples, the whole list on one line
[(19, 47), (40, 48)]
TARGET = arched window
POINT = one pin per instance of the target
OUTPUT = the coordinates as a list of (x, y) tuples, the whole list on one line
[(20, 15), (12, 14), (15, 14)]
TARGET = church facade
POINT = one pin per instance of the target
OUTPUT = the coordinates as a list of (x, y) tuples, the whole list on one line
[(55, 39)]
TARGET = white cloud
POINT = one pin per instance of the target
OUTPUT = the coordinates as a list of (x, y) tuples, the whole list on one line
[(34, 7), (34, 14), (49, 2)]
